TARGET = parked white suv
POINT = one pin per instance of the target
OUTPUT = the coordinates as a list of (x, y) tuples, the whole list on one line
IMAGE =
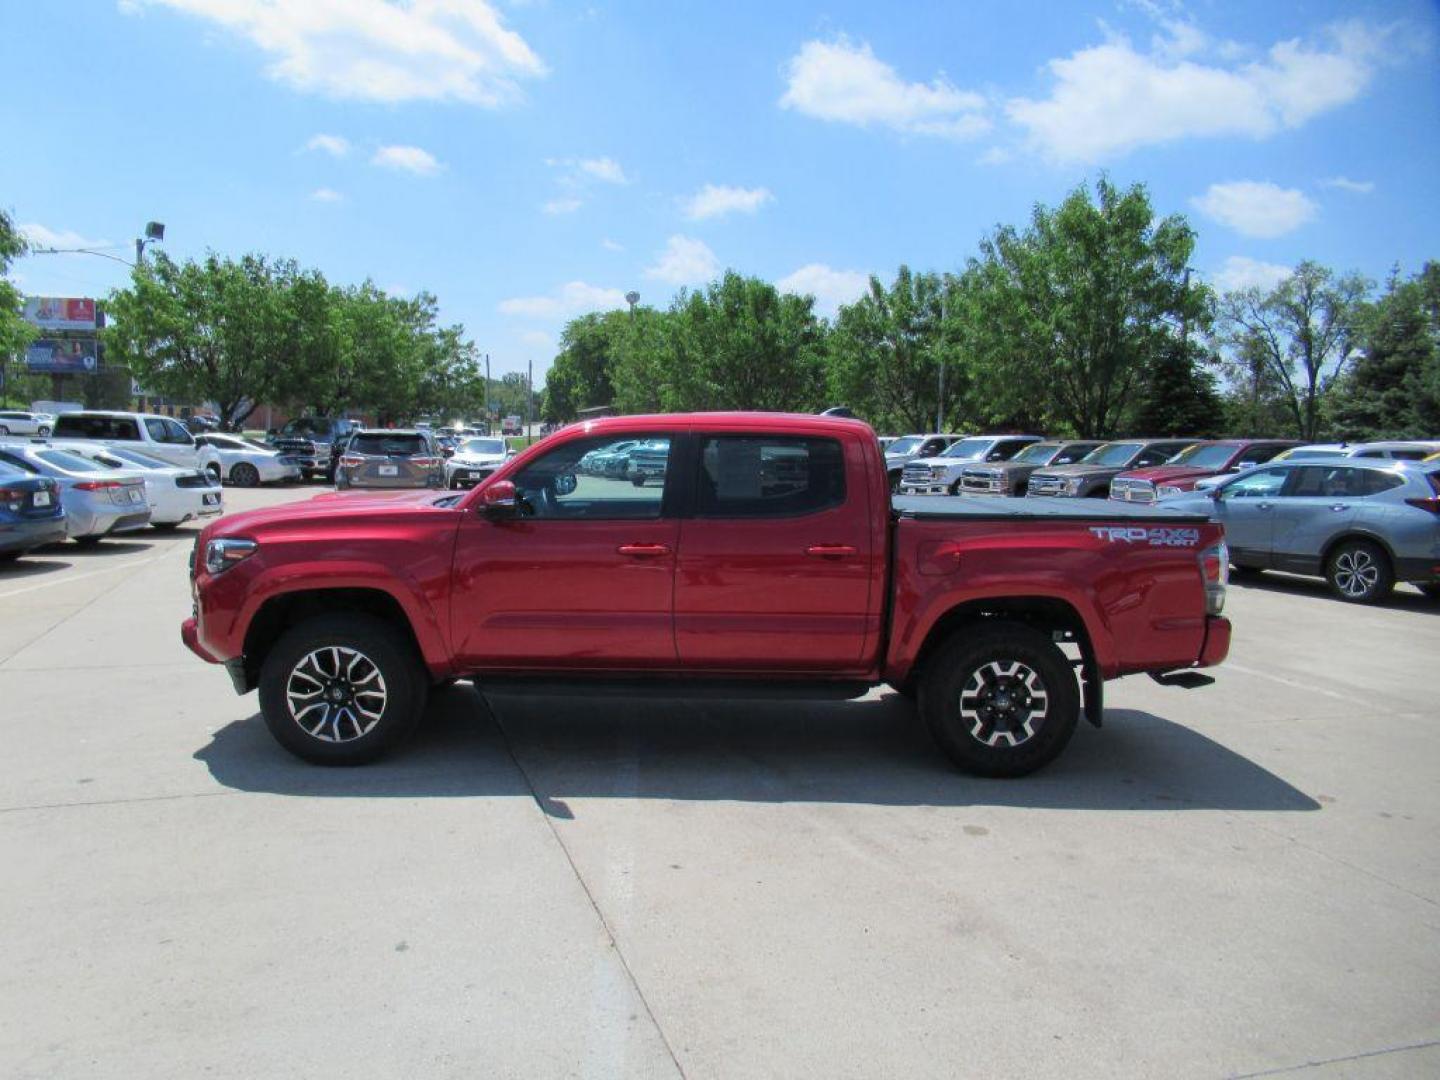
[(158, 436), (25, 423)]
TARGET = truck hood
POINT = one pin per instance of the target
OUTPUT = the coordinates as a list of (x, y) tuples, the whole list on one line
[(1167, 474), (331, 506), (944, 462), (1003, 468), (1078, 469)]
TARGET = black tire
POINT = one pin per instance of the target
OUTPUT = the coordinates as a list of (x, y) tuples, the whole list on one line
[(988, 663), (87, 541), (1245, 573), (637, 481), (380, 646), (244, 475), (43, 431), (1432, 591), (1359, 572)]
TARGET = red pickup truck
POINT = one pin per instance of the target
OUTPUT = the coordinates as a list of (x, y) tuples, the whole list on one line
[(771, 554)]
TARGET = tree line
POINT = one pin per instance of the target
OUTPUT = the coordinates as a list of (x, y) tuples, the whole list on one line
[(1086, 322)]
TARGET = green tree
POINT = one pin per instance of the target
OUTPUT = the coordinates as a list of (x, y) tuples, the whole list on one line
[(1070, 313), (887, 348), (15, 332), (214, 331), (1393, 389), (579, 377), (1302, 333), (1177, 395), (737, 344)]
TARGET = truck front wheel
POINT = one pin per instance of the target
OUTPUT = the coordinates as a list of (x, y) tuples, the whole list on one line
[(341, 689), (1000, 699)]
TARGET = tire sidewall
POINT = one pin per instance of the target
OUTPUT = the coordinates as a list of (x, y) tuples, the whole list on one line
[(404, 682), (245, 475), (951, 668)]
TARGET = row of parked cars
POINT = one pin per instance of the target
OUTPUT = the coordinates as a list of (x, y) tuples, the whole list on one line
[(1363, 516)]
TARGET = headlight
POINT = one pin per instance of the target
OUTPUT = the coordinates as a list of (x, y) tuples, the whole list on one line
[(1074, 484), (1167, 491), (224, 553)]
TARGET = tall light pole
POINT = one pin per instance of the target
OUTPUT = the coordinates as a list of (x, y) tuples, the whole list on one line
[(154, 234)]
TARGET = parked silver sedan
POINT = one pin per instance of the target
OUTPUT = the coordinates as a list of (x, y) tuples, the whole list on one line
[(98, 501), (390, 459), (1362, 524)]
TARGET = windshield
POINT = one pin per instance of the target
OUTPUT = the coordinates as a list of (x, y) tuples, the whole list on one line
[(483, 446), (1037, 453), (1205, 457), (63, 459), (306, 426), (904, 446), (969, 449), (1113, 453)]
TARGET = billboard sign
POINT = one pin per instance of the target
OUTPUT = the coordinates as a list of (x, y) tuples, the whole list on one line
[(60, 312), (63, 357)]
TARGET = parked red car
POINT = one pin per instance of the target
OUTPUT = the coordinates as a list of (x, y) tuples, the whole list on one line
[(769, 555), (1179, 475)]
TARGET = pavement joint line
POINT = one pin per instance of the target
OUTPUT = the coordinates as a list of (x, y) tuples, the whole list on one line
[(71, 578), (580, 878), (83, 607), (116, 802), (1295, 684), (1340, 861), (1336, 1060)]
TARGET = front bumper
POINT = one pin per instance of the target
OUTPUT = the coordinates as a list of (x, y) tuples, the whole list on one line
[(190, 635), (924, 489)]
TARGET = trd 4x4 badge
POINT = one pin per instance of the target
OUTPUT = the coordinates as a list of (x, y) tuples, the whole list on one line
[(1155, 537)]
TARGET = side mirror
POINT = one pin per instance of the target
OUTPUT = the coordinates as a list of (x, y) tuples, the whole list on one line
[(498, 499), (565, 484)]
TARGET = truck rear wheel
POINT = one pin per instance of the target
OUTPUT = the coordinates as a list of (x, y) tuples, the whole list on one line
[(341, 689), (1001, 699)]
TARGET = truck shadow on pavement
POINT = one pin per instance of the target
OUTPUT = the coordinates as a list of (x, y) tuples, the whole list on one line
[(872, 751)]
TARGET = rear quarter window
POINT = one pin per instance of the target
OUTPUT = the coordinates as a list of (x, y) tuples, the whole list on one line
[(756, 476), (389, 444)]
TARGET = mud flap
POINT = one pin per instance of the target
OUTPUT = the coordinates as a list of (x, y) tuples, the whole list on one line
[(1093, 692)]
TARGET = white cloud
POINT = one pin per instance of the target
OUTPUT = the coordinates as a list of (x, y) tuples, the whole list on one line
[(326, 195), (997, 155), (41, 237), (1243, 272), (1256, 208), (334, 145), (611, 245), (1110, 99), (1344, 183), (685, 261), (572, 298), (537, 339), (377, 50), (606, 169), (409, 159), (561, 206), (829, 287), (716, 200), (846, 84)]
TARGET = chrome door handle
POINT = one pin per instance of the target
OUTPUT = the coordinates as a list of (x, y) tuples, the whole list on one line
[(644, 551), (1339, 506), (1262, 506)]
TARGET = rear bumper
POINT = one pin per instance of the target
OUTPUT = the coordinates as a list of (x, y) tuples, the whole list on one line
[(1217, 641), (24, 535)]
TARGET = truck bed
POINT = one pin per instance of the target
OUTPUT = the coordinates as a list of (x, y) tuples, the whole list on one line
[(992, 507)]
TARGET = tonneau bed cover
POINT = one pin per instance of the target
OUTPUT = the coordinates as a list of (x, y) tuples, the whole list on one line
[(981, 507)]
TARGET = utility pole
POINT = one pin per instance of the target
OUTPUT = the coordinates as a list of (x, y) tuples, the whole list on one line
[(530, 396), (940, 401)]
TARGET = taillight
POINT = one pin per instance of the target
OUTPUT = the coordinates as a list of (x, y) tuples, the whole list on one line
[(97, 485), (1215, 573), (12, 498), (425, 462), (1431, 504), (351, 460)]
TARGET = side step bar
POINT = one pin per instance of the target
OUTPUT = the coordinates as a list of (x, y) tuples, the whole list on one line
[(1186, 680)]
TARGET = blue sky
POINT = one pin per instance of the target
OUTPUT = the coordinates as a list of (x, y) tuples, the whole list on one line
[(530, 161)]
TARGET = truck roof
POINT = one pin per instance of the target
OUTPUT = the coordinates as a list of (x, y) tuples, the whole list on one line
[(778, 423)]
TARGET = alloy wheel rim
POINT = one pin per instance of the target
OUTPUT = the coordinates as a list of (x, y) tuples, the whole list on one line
[(336, 694), (1003, 703), (1356, 572)]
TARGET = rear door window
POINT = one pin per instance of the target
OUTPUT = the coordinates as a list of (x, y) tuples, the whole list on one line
[(97, 427), (750, 476)]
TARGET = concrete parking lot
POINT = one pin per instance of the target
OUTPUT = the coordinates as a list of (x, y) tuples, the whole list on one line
[(1235, 881)]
